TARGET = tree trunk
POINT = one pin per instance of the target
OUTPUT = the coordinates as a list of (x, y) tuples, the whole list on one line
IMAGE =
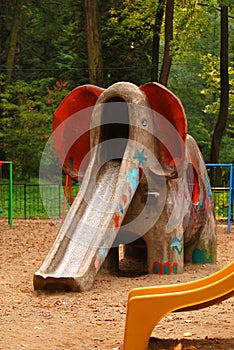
[(156, 40), (167, 59), (224, 89), (93, 42), (13, 40)]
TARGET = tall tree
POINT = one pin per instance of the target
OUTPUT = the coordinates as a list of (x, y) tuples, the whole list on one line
[(17, 17), (167, 58), (94, 42), (156, 39), (224, 88)]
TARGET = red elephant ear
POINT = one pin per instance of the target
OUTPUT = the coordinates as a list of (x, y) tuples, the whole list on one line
[(170, 122), (71, 129)]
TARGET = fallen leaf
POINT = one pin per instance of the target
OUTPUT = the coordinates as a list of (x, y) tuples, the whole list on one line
[(187, 334), (97, 339)]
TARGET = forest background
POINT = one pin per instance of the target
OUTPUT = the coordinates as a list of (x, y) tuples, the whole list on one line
[(50, 47)]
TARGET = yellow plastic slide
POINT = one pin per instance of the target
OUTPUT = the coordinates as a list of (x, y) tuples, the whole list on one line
[(147, 306)]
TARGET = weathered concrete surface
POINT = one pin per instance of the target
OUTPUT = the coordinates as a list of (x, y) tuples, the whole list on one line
[(146, 178)]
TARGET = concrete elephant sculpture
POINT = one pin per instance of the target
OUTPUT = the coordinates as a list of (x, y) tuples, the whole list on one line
[(143, 176)]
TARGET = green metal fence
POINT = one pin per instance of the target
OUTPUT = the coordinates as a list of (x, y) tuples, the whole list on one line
[(37, 201), (34, 200), (223, 191), (6, 169)]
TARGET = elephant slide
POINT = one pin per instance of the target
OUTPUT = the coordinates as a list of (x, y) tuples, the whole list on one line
[(87, 235), (143, 177)]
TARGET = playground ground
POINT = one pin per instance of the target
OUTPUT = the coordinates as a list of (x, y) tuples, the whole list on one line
[(35, 320)]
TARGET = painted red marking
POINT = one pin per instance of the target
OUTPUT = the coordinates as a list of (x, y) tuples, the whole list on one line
[(124, 198), (116, 220)]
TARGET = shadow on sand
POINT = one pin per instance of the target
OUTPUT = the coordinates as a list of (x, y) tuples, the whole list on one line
[(191, 344)]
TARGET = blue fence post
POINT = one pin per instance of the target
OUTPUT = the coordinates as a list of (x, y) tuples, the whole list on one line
[(230, 198)]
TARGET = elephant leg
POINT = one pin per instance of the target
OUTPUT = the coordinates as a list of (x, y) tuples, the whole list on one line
[(203, 249), (165, 251)]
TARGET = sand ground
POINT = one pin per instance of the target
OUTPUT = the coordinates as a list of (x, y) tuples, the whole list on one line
[(95, 319)]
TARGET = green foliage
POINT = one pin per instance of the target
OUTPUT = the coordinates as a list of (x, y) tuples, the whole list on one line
[(185, 83), (128, 32), (26, 115), (211, 92), (52, 48), (190, 26), (51, 41), (134, 19), (71, 46)]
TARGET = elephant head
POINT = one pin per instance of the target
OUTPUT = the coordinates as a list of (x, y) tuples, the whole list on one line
[(163, 112)]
